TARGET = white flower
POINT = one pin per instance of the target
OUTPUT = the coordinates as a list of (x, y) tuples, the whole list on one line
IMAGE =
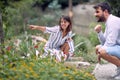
[(17, 42), (37, 53)]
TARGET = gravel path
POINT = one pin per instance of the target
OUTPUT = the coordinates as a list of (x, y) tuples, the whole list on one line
[(104, 71)]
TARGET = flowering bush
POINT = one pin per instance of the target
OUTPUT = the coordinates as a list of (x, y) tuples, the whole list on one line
[(40, 69), (13, 66)]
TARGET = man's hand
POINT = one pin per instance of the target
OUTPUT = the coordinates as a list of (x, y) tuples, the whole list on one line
[(98, 28), (99, 58), (98, 47)]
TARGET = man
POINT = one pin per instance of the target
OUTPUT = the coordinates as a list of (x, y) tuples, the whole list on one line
[(110, 40)]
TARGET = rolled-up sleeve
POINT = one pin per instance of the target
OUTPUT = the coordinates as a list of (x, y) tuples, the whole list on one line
[(51, 29)]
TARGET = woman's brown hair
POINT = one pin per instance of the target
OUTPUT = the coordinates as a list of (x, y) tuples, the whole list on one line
[(67, 18)]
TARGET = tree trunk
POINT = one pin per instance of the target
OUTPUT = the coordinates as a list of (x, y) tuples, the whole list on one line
[(70, 9), (1, 35)]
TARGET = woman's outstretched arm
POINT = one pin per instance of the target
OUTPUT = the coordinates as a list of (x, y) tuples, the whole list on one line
[(35, 27)]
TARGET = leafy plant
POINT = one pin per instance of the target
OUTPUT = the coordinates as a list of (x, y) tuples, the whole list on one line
[(14, 66)]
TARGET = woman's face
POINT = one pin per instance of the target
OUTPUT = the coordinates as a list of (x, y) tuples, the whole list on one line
[(64, 24)]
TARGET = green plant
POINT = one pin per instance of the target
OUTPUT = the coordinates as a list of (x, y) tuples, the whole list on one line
[(40, 69), (84, 44), (13, 66)]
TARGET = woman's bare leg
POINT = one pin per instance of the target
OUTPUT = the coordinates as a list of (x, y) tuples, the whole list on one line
[(65, 48)]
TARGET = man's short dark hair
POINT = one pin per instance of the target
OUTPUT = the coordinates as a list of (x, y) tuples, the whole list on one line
[(104, 6)]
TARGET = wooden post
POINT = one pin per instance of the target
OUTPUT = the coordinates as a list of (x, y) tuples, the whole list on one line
[(1, 35), (70, 9)]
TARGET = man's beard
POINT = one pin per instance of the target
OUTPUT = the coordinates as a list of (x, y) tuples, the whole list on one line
[(101, 19)]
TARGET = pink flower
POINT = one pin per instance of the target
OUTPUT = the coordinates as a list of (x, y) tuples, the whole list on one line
[(36, 46), (9, 48)]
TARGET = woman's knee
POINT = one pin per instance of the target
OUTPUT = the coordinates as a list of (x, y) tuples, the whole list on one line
[(65, 47)]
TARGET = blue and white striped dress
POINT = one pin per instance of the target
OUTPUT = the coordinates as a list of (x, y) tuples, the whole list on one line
[(56, 40)]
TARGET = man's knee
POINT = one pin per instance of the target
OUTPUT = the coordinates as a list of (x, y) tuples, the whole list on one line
[(102, 52), (97, 47)]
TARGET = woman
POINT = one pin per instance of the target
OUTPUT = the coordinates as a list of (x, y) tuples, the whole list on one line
[(60, 36)]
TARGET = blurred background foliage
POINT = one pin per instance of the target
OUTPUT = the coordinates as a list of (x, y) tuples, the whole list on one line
[(18, 14), (114, 6)]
